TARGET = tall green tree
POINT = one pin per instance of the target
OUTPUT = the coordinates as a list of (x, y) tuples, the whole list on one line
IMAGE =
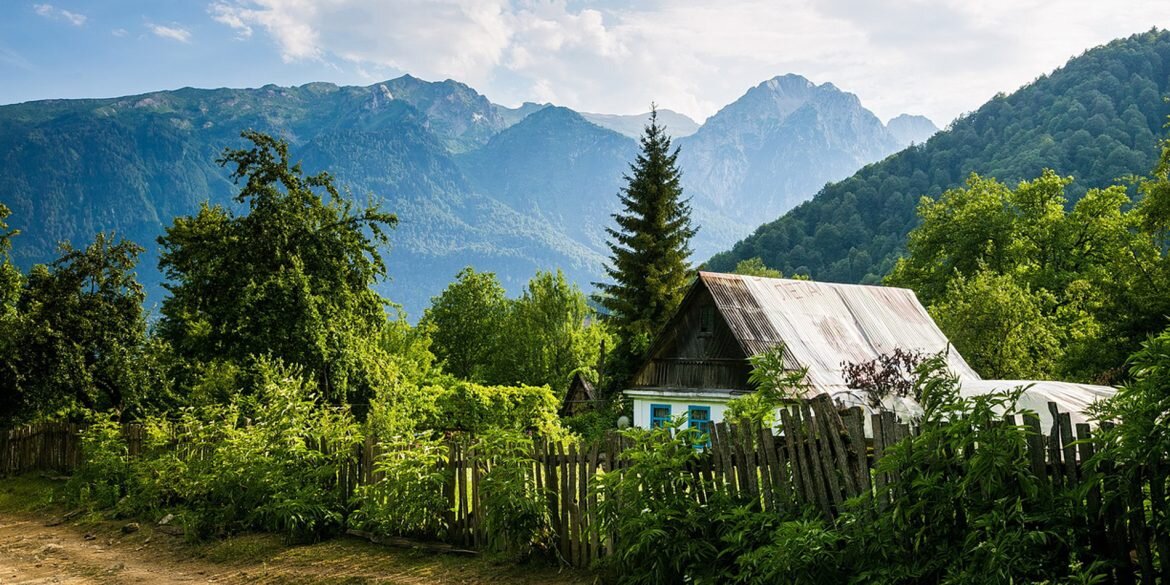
[(551, 332), (289, 278), (466, 322), (10, 285), (1026, 287), (649, 250), (83, 336)]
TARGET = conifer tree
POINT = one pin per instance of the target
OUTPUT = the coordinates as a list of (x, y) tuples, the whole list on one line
[(649, 251)]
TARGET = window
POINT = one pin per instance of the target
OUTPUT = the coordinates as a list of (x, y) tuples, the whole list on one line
[(706, 319), (659, 415), (699, 416)]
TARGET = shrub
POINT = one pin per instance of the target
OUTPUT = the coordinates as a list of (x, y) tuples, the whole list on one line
[(409, 499), (270, 461), (475, 408), (104, 476), (664, 534), (966, 507), (515, 513)]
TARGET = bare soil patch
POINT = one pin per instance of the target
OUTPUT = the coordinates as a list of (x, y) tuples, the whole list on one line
[(37, 547)]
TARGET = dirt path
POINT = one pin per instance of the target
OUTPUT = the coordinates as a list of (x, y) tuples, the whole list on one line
[(32, 552)]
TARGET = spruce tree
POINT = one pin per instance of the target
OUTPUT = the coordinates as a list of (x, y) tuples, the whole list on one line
[(649, 251)]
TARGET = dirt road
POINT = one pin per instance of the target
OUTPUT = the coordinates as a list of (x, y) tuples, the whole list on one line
[(32, 552)]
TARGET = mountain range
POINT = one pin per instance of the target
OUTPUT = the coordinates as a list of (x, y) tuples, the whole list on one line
[(510, 190), (1098, 119)]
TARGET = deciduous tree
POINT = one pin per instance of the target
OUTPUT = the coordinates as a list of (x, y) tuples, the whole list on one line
[(290, 278), (467, 320), (83, 338)]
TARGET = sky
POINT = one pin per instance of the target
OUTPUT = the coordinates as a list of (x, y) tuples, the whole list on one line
[(939, 58)]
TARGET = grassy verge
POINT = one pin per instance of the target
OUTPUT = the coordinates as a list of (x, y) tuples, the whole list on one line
[(28, 494)]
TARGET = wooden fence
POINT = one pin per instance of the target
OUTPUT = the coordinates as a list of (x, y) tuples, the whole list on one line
[(821, 459), (40, 447)]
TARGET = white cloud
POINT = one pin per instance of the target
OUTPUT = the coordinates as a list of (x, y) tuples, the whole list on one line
[(228, 15), (119, 32), (937, 57), (174, 33), (53, 13)]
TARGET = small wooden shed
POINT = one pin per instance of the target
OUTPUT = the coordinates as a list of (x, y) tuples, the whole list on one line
[(580, 398)]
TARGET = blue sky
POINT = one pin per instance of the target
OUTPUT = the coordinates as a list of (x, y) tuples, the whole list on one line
[(934, 57)]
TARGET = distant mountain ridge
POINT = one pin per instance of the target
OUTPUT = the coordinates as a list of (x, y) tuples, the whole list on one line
[(1098, 118), (510, 190), (785, 138), (677, 125)]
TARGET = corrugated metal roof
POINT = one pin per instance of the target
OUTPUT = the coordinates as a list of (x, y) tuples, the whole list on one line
[(825, 325), (1069, 397)]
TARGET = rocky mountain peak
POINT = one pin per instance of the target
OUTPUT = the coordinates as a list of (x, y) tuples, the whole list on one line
[(910, 129)]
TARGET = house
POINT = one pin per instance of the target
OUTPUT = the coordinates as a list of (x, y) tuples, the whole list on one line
[(580, 398), (699, 361)]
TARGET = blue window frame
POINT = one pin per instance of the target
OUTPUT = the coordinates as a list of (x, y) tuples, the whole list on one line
[(659, 415), (700, 417)]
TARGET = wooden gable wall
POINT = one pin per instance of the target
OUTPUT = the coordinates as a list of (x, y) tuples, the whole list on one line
[(684, 336), (696, 349)]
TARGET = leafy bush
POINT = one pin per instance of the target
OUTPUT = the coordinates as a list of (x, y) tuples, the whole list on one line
[(966, 507), (1138, 447), (270, 460), (409, 499), (665, 535), (890, 375), (775, 384), (593, 426), (475, 408), (515, 513), (104, 477), (804, 551)]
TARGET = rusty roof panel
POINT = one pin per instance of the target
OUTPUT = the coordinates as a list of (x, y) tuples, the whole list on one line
[(824, 325)]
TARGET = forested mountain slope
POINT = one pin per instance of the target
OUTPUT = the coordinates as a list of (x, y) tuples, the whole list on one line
[(1098, 118), (509, 190)]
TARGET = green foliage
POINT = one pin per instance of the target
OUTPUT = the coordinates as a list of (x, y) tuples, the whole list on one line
[(1004, 330), (649, 250), (550, 333), (664, 533), (105, 477), (1138, 447), (805, 551), (11, 282), (541, 338), (1097, 118), (775, 384), (1026, 288), (968, 508), (268, 460), (593, 426), (474, 408), (291, 278), (1141, 408), (80, 334), (410, 499), (515, 513), (755, 267), (467, 321)]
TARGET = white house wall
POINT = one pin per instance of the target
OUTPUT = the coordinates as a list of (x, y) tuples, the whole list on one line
[(677, 407)]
